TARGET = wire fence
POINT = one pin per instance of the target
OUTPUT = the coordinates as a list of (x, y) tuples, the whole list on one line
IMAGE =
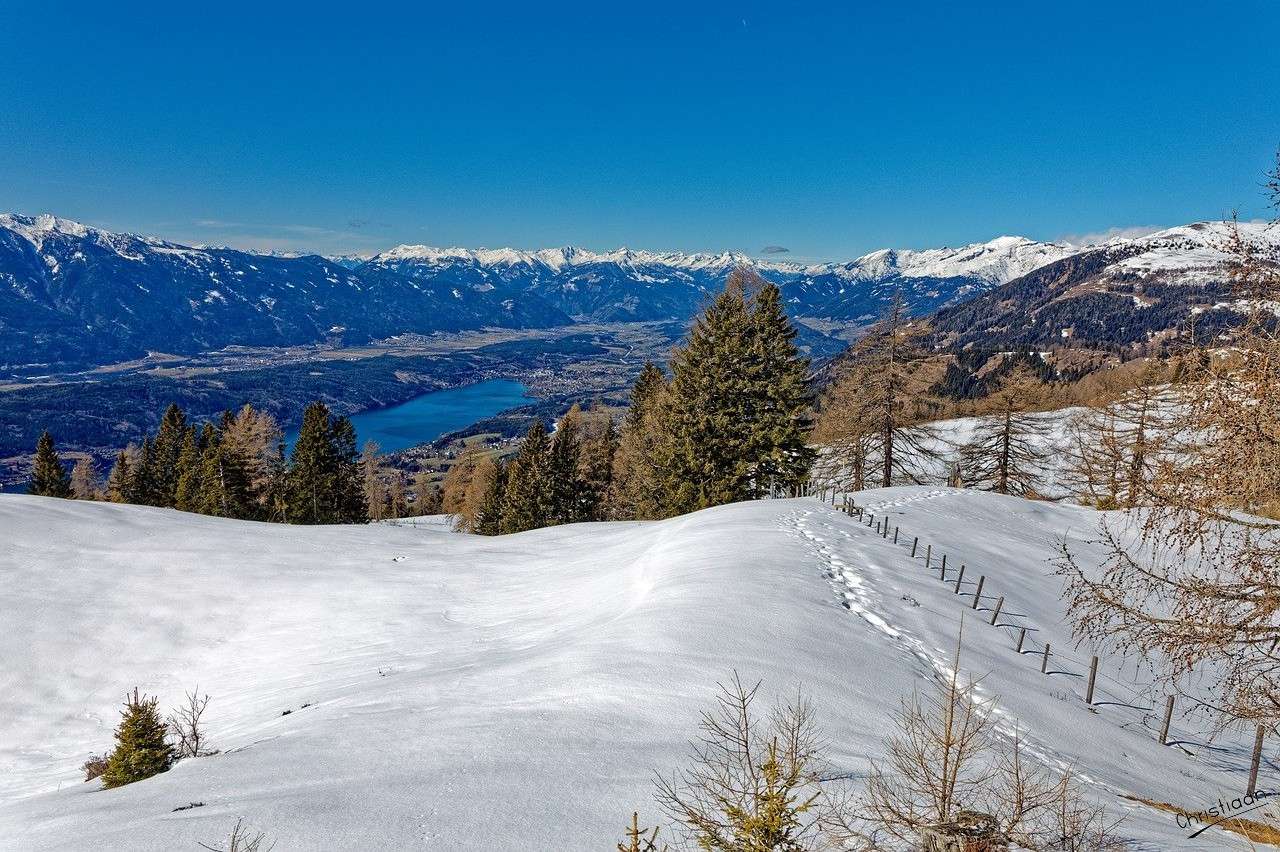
[(1103, 690)]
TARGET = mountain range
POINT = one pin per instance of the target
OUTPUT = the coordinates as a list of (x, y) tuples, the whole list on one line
[(73, 295)]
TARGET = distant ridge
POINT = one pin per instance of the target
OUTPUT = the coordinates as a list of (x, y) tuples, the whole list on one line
[(73, 294)]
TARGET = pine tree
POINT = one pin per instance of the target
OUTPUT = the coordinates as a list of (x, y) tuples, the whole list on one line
[(141, 747), (565, 497), (313, 470), (212, 497), (143, 489), (526, 499), (48, 477), (187, 491), (352, 508), (597, 448), (705, 447), (120, 482), (162, 464), (779, 377), (632, 491), (487, 518)]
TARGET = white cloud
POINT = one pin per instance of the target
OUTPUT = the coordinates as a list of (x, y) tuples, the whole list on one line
[(1093, 238)]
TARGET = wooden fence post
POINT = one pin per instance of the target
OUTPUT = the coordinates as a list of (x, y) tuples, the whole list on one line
[(944, 566), (996, 614), (1257, 759), (915, 542), (895, 533), (1093, 675), (1022, 635), (928, 556), (1044, 664), (1168, 714), (960, 578), (978, 594), (885, 532)]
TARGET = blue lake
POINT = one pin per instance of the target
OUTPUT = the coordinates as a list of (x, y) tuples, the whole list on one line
[(427, 417)]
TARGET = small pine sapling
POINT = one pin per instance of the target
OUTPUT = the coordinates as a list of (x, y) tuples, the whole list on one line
[(142, 749)]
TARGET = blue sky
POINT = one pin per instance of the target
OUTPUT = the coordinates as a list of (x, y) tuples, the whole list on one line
[(827, 129)]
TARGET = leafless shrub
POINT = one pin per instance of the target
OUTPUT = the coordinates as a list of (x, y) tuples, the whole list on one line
[(184, 726), (950, 774), (243, 839), (94, 766)]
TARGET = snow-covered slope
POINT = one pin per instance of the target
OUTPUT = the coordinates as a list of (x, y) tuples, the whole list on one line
[(1126, 294), (454, 692)]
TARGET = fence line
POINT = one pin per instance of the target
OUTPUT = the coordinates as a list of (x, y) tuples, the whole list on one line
[(1027, 644)]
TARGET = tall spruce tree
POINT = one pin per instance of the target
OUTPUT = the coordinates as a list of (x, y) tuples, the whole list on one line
[(162, 473), (120, 481), (526, 499), (313, 470), (565, 486), (779, 379), (186, 495), (143, 487), (487, 517), (706, 443), (633, 490), (597, 447), (352, 506), (48, 476)]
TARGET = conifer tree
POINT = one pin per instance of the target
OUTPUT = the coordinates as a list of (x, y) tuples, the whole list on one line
[(526, 499), (120, 481), (565, 497), (487, 519), (372, 477), (779, 378), (162, 463), (141, 747), (426, 496), (186, 496), (84, 479), (633, 490), (705, 449), (879, 406), (352, 508), (640, 839), (253, 442), (212, 497), (48, 477), (457, 479), (143, 490), (1008, 447), (313, 470), (597, 448)]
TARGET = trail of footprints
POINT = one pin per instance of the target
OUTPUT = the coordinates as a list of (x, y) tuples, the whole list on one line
[(857, 595)]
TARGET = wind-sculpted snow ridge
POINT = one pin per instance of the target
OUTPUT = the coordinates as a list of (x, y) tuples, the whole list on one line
[(402, 686)]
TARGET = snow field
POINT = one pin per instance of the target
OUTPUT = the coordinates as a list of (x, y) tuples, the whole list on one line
[(520, 692)]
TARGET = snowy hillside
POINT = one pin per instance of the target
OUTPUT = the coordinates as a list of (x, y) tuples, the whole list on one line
[(378, 687), (1123, 295)]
